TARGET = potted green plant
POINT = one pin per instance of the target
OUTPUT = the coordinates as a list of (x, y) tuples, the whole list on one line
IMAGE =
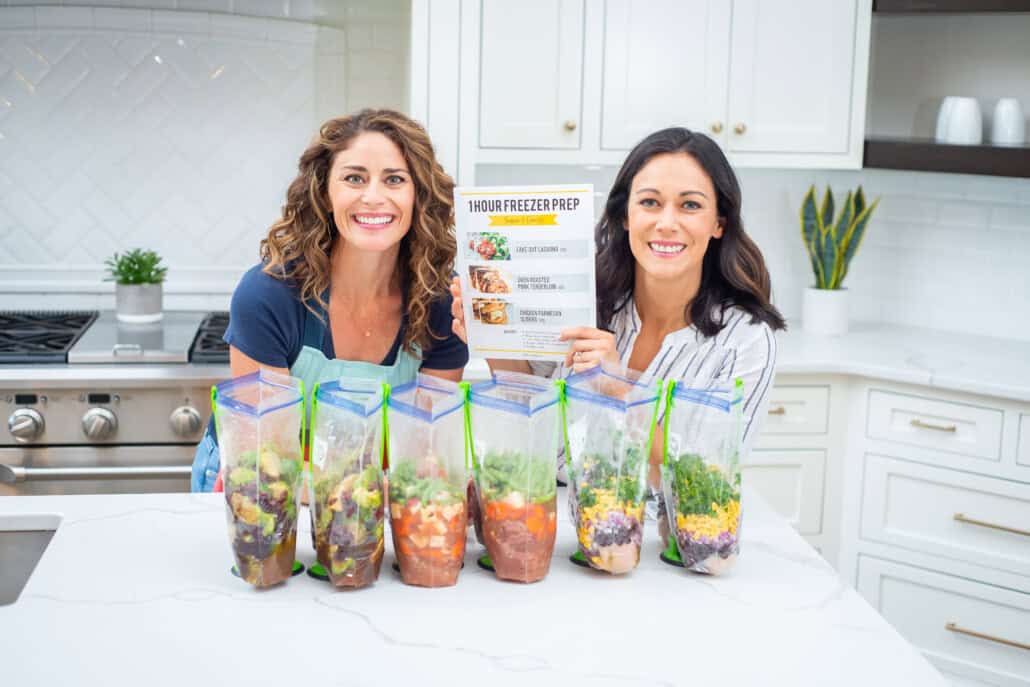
[(831, 247), (138, 276)]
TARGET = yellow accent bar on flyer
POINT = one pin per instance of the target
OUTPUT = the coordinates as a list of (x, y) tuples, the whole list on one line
[(523, 220)]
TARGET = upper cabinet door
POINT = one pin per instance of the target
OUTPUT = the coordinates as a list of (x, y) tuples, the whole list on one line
[(790, 76), (665, 64), (531, 74)]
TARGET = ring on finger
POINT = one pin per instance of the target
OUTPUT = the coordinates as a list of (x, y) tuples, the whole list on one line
[(577, 355)]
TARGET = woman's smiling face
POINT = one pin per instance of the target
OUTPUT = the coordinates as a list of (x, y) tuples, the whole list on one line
[(671, 215), (371, 193)]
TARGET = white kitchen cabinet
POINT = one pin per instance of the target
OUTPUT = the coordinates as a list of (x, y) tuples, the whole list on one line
[(961, 428), (530, 76), (791, 482), (655, 77), (936, 612), (795, 463), (936, 524), (983, 521), (790, 73), (776, 84), (1023, 453)]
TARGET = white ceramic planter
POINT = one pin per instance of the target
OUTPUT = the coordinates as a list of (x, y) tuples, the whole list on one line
[(138, 303), (825, 311)]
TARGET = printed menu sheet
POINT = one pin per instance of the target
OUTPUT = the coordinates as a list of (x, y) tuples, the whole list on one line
[(526, 260)]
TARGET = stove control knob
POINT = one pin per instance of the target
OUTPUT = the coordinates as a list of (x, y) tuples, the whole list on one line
[(25, 424), (185, 421), (99, 423)]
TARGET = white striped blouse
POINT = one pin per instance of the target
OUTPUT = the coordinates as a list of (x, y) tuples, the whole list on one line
[(741, 349)]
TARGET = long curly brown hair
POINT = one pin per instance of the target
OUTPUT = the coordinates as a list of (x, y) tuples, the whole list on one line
[(298, 246)]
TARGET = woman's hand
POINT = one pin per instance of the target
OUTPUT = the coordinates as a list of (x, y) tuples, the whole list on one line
[(590, 347), (457, 312)]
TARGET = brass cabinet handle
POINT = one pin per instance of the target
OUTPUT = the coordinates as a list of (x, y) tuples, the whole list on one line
[(570, 125), (778, 410), (716, 127), (739, 128), (960, 517), (952, 627), (929, 425)]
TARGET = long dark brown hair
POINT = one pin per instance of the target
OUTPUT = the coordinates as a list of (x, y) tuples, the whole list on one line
[(298, 246), (733, 272)]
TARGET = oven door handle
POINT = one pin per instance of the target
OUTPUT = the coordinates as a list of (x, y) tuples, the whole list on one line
[(11, 474)]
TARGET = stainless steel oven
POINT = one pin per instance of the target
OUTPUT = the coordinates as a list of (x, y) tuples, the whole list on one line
[(124, 422)]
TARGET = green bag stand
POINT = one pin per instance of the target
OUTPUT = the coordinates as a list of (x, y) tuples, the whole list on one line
[(671, 555), (579, 559), (298, 568)]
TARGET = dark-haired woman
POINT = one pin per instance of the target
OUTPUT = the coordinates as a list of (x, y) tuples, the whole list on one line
[(682, 291), (353, 277)]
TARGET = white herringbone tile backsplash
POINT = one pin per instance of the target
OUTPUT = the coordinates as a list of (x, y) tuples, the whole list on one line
[(172, 130)]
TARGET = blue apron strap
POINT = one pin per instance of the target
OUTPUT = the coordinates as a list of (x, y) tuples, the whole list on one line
[(211, 429), (314, 328)]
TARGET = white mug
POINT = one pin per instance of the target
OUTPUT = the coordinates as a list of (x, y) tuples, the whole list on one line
[(943, 117), (962, 121), (1009, 127)]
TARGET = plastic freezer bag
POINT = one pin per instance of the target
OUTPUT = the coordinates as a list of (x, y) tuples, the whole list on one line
[(428, 480), (609, 419), (260, 418), (701, 475), (348, 503), (514, 430)]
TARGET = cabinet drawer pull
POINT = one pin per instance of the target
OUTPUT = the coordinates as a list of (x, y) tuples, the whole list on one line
[(952, 627), (778, 410), (980, 523), (928, 425)]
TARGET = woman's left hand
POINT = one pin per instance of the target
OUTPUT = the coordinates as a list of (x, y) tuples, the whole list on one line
[(590, 347)]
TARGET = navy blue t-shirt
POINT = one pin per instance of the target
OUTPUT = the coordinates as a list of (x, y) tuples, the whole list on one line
[(266, 323)]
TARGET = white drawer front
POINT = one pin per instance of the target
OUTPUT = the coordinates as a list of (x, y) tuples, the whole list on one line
[(1023, 453), (798, 410), (791, 482), (947, 513), (941, 425), (921, 605)]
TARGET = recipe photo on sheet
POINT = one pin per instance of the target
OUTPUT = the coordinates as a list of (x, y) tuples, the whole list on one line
[(526, 261)]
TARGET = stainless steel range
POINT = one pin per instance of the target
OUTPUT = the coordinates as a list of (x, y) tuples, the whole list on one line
[(97, 406)]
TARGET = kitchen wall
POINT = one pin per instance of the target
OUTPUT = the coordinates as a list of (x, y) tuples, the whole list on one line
[(943, 251), (169, 124)]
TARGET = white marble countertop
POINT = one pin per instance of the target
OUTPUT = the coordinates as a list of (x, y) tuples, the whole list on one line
[(136, 590), (946, 360)]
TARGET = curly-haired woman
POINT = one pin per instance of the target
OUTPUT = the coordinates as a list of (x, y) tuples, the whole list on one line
[(353, 277)]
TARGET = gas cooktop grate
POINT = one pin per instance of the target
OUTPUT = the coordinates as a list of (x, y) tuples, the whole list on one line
[(41, 336), (208, 346)]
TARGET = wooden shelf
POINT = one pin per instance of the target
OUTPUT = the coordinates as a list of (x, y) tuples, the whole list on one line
[(926, 155), (968, 6)]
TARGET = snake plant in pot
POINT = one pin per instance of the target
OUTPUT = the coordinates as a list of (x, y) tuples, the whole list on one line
[(138, 276), (831, 247)]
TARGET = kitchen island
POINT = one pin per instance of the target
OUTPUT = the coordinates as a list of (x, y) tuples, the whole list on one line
[(136, 590)]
